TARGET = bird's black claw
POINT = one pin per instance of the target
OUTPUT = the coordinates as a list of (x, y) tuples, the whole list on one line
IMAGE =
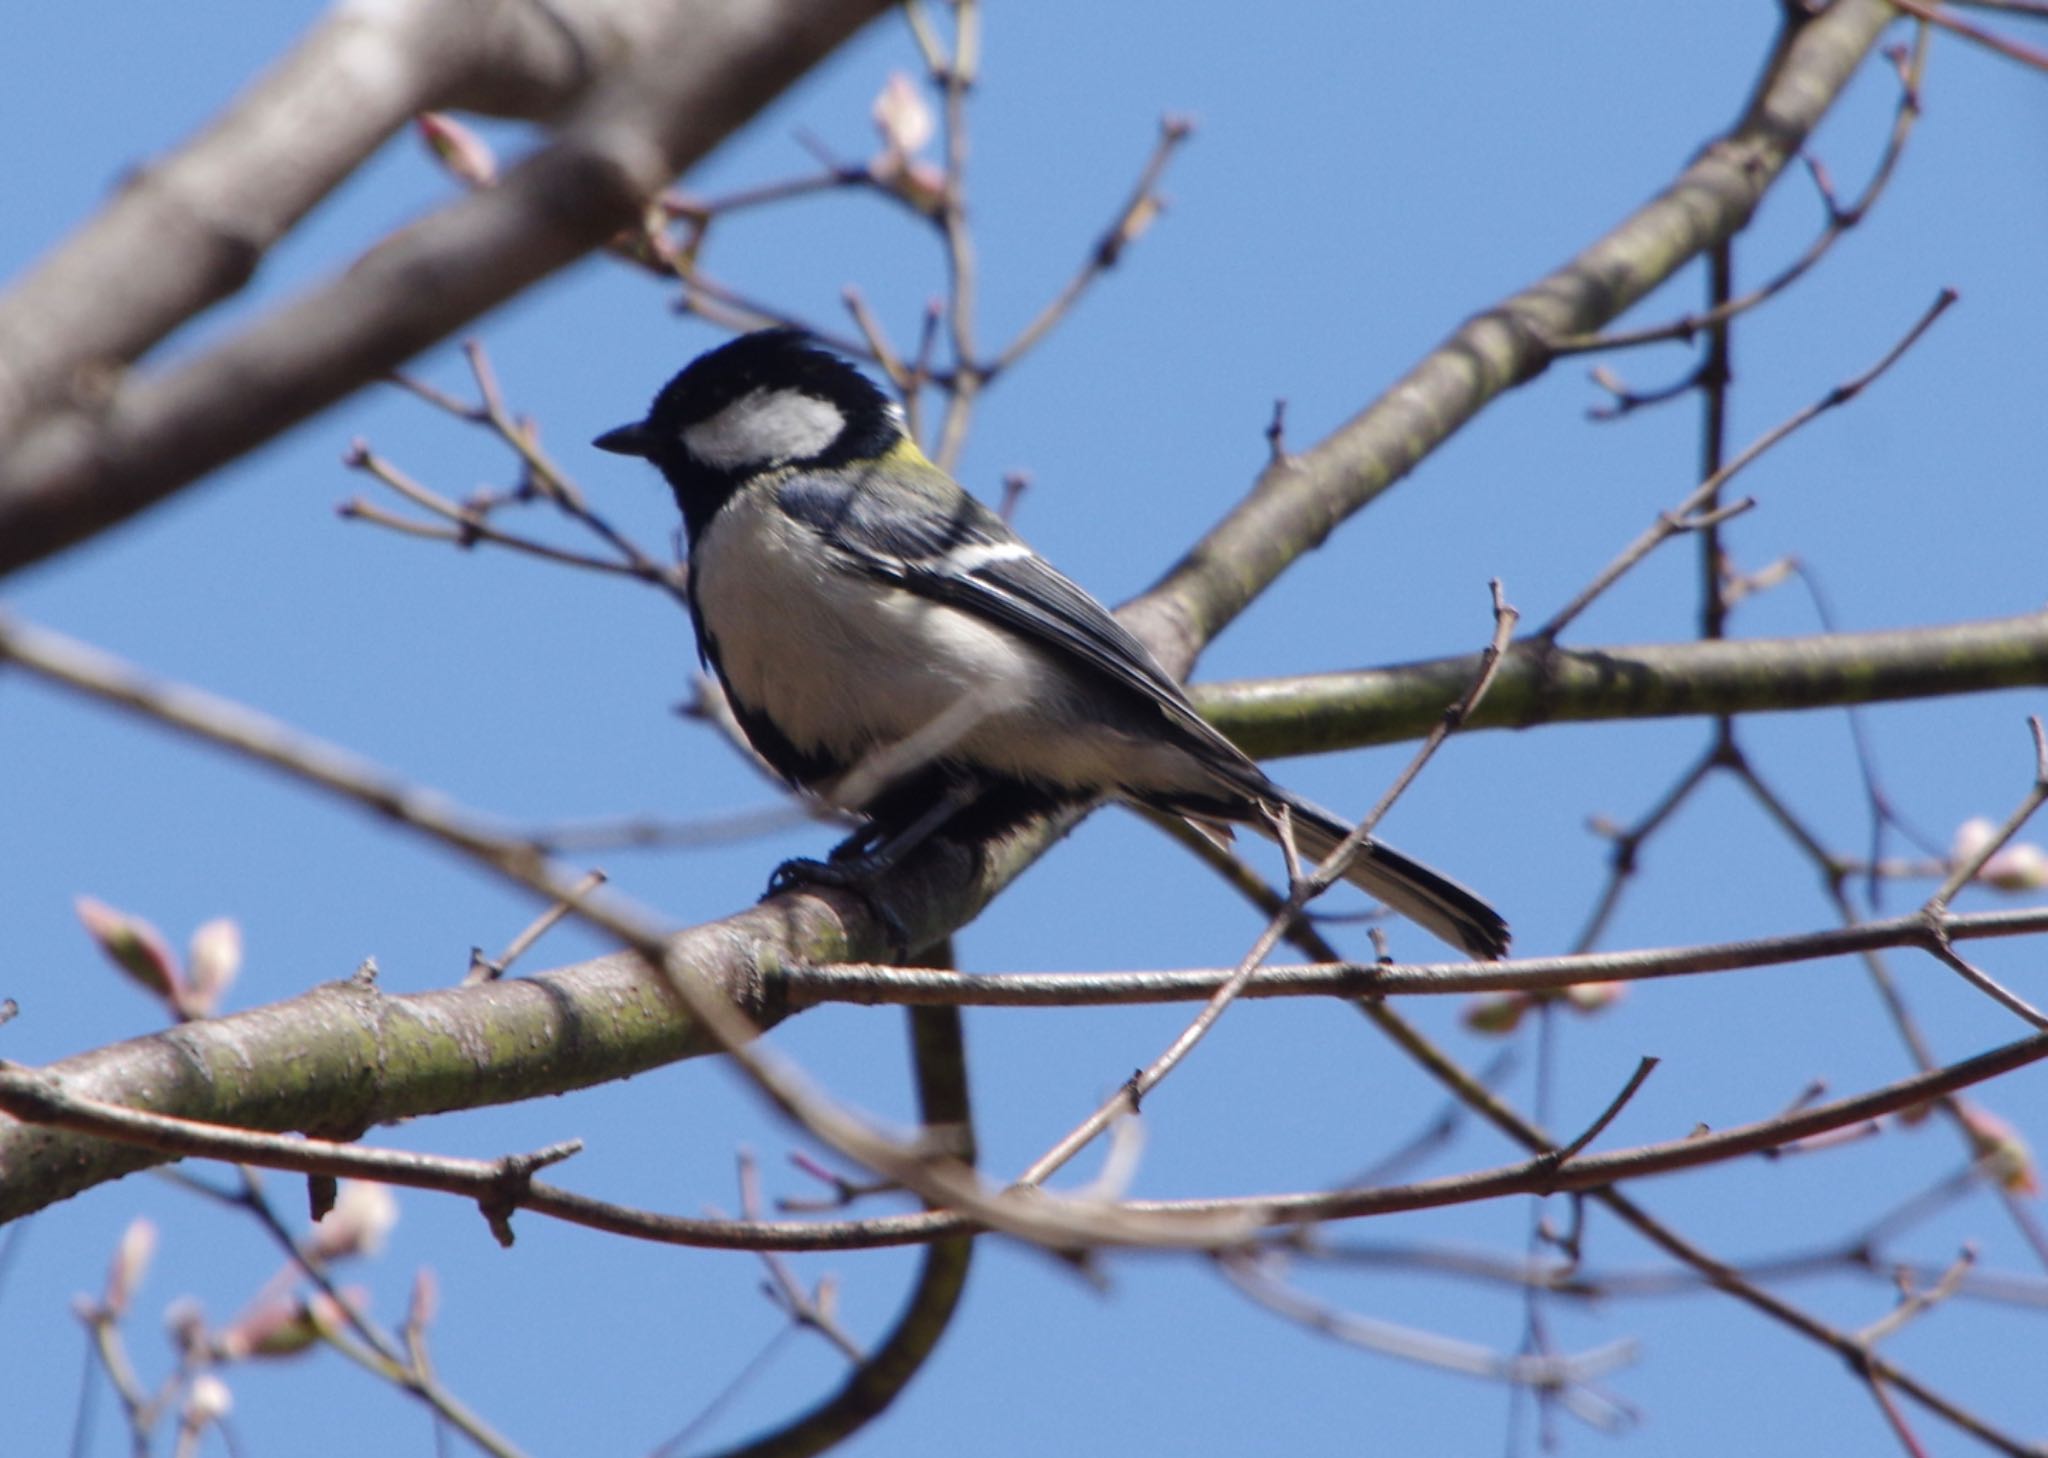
[(792, 875), (844, 875)]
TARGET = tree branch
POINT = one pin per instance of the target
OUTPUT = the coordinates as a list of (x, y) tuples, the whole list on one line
[(1316, 713), (917, 986), (940, 1056), (186, 232), (1202, 1223), (1301, 499), (699, 71)]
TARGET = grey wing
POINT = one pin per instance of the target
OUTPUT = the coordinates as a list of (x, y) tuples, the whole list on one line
[(956, 551)]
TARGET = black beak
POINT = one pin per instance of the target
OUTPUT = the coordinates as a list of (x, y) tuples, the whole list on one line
[(627, 440)]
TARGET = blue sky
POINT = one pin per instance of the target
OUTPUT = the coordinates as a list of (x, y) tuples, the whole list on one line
[(1360, 181)]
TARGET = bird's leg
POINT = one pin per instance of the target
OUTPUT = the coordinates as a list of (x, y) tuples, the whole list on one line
[(875, 848), (858, 844), (890, 848), (871, 852)]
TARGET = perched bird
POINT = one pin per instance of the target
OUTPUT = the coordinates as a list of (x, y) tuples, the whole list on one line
[(889, 644)]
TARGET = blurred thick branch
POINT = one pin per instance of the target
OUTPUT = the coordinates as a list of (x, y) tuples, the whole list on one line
[(643, 89)]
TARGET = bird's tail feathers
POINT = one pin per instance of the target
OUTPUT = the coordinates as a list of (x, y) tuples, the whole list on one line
[(1426, 897)]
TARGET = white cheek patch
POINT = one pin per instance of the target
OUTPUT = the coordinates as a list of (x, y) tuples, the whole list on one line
[(765, 427)]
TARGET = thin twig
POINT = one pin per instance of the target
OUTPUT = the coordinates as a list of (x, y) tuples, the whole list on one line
[(2014, 50), (833, 177), (956, 77), (1840, 220), (1644, 1069), (84, 669), (402, 1364), (1454, 718), (1991, 987), (939, 1062), (1131, 219), (1252, 1275), (879, 347), (1918, 1303), (748, 1373), (468, 526), (1303, 890), (1672, 522), (804, 1308), (1628, 844), (642, 832), (1972, 866), (483, 969)]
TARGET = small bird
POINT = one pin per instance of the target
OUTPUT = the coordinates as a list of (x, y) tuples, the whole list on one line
[(890, 645)]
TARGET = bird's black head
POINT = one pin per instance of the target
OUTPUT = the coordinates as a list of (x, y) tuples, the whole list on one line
[(760, 402)]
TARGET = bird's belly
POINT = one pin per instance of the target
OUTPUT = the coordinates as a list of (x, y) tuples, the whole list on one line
[(851, 668)]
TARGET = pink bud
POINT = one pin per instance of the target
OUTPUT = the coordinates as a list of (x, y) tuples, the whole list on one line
[(1592, 997), (327, 1314), (362, 1216), (426, 1300), (1497, 1015), (134, 946), (1971, 836), (212, 960), (130, 1264), (277, 1326), (2021, 866), (207, 1400), (902, 116), (459, 149), (2002, 1149), (919, 183)]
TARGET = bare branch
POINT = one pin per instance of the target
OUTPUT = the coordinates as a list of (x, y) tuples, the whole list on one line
[(875, 983), (188, 231), (1841, 219), (489, 969), (1253, 1276), (1317, 713), (1607, 1115), (1678, 519), (1137, 213), (703, 69), (1302, 890), (1935, 14), (939, 1057), (1502, 346), (1191, 1224)]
